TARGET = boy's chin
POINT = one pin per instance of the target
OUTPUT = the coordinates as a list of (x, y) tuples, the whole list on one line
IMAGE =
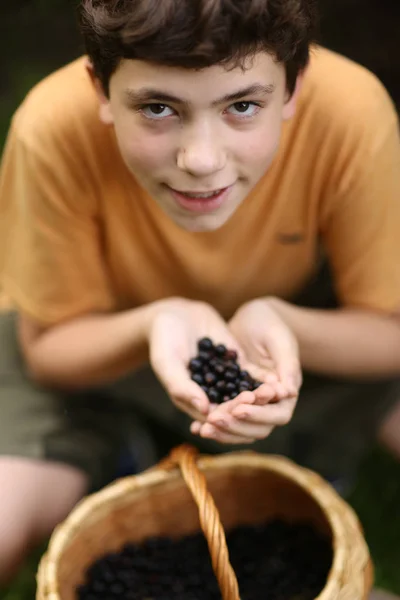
[(202, 223)]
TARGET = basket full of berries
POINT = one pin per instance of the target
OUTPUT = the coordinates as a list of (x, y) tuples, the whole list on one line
[(235, 526)]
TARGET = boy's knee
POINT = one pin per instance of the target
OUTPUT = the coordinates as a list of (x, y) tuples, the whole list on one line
[(34, 498)]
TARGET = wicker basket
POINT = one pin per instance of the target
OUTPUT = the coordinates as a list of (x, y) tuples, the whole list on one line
[(230, 489)]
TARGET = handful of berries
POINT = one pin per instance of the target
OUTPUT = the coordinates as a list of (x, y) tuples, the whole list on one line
[(217, 371)]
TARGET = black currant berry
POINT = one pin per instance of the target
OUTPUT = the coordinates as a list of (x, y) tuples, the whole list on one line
[(230, 387), (214, 396), (244, 386), (231, 355), (213, 363), (205, 344), (210, 378), (220, 350), (195, 365), (220, 385), (219, 370), (198, 378), (205, 356), (230, 375)]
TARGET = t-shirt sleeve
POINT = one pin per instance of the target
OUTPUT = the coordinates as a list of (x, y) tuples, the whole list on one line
[(361, 221), (51, 256)]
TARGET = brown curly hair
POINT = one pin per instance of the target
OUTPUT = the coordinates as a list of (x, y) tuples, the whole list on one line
[(196, 34)]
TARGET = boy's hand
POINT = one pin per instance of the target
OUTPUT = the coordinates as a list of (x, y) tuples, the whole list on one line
[(267, 344), (174, 332)]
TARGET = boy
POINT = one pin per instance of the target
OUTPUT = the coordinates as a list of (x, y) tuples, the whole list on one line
[(188, 179)]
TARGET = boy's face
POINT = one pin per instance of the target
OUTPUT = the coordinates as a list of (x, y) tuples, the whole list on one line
[(198, 141)]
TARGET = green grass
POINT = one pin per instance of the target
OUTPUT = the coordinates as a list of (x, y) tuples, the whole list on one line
[(376, 499), (25, 585)]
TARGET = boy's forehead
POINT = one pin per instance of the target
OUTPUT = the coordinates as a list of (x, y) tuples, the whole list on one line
[(261, 72)]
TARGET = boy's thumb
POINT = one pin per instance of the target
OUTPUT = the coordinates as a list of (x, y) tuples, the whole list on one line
[(176, 380)]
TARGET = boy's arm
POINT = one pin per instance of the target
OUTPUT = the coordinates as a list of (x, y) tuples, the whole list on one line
[(344, 342), (87, 351)]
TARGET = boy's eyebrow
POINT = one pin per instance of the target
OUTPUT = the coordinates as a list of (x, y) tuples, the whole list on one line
[(257, 89), (148, 94)]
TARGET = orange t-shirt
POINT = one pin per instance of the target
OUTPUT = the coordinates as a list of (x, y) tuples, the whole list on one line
[(78, 233)]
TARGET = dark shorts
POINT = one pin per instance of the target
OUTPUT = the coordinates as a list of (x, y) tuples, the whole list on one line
[(334, 424)]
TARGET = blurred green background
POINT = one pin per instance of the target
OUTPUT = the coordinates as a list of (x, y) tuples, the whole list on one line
[(38, 36)]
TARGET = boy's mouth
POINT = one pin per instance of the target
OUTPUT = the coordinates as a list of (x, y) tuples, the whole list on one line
[(201, 202)]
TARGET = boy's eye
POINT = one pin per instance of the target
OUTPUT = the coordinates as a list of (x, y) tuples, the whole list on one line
[(243, 109), (156, 111)]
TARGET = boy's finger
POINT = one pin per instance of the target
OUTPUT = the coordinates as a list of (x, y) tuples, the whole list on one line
[(210, 432), (263, 395), (290, 376), (284, 353), (195, 427), (190, 410), (243, 429), (263, 374), (175, 378), (277, 413), (227, 407), (268, 392)]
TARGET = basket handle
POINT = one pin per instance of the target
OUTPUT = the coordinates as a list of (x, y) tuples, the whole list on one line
[(184, 457)]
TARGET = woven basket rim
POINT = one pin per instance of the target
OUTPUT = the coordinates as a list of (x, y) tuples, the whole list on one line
[(328, 500)]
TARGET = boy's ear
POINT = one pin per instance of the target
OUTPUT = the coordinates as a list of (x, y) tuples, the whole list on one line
[(105, 113), (289, 108)]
